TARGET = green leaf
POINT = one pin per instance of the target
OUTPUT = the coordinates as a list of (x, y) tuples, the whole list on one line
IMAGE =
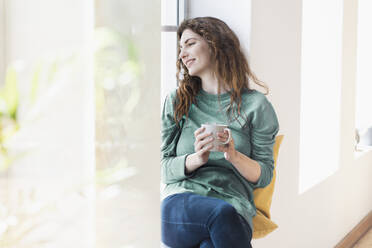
[(35, 82), (9, 95)]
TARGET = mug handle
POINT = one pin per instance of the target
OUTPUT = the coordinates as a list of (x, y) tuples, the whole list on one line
[(229, 139)]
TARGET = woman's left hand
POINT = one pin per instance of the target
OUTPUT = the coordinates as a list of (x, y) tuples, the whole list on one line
[(229, 148)]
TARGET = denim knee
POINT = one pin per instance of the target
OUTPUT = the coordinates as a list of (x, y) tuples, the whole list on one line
[(206, 244), (166, 206), (225, 212)]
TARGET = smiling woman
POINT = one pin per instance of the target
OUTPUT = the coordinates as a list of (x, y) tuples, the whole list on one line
[(195, 53), (208, 194)]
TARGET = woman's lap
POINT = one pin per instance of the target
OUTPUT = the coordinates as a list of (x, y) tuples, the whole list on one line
[(189, 219)]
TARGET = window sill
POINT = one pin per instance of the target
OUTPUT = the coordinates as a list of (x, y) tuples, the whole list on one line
[(361, 150)]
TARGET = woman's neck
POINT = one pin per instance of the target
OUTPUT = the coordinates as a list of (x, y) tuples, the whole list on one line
[(210, 84)]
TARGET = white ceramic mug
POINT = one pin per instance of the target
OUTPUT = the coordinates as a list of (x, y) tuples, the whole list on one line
[(214, 129)]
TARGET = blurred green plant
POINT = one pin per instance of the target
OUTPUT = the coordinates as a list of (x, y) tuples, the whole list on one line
[(42, 76), (116, 74), (9, 101), (9, 96), (22, 219)]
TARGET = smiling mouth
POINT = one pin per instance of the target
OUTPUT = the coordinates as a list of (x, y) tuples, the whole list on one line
[(189, 62)]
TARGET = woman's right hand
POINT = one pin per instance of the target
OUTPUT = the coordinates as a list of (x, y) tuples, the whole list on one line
[(202, 146)]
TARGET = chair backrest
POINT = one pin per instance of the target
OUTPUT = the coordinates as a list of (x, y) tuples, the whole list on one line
[(262, 224)]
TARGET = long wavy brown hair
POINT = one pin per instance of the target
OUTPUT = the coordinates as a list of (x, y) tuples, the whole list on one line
[(231, 66)]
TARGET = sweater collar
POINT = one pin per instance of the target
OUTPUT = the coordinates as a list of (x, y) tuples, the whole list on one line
[(214, 97)]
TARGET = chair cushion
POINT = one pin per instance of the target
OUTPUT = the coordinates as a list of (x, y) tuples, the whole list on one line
[(262, 224)]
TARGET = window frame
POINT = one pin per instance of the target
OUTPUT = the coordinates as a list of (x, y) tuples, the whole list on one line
[(182, 14)]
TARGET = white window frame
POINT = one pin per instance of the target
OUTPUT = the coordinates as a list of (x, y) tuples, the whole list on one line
[(182, 13)]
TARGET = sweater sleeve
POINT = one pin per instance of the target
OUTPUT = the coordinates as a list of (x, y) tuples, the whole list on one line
[(264, 128), (172, 166)]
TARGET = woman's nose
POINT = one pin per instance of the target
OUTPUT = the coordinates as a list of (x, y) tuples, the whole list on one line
[(183, 54)]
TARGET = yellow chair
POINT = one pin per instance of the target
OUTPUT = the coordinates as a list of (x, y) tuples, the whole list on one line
[(262, 225)]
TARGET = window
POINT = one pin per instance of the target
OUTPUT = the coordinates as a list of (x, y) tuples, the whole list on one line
[(127, 121), (172, 14), (363, 116), (321, 38)]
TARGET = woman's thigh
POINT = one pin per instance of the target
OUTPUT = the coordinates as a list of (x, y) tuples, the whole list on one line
[(185, 218)]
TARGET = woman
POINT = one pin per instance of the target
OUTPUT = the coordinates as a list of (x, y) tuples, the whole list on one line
[(208, 196)]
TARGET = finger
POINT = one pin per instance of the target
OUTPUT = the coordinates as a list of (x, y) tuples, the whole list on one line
[(222, 139), (203, 136), (225, 139), (204, 142), (227, 156), (199, 131), (224, 132), (222, 135), (206, 148)]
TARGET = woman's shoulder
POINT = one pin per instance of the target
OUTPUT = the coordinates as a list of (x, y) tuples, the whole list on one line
[(172, 94), (169, 101), (253, 96)]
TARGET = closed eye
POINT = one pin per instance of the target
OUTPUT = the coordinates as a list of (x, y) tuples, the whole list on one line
[(188, 44)]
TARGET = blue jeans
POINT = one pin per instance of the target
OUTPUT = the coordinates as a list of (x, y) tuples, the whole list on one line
[(190, 220)]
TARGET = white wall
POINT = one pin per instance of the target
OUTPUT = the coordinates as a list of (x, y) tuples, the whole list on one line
[(331, 208), (236, 14), (323, 214), (364, 76)]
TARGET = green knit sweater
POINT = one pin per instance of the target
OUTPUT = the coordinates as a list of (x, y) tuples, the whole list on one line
[(253, 134)]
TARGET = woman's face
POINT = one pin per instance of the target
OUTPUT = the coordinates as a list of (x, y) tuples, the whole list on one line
[(195, 53)]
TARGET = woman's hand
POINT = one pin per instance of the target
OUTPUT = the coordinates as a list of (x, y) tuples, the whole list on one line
[(229, 148), (247, 167), (202, 146)]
